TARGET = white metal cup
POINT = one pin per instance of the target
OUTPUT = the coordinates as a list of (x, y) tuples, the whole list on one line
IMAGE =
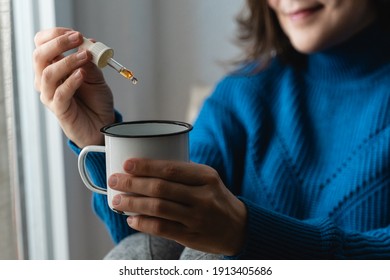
[(165, 140)]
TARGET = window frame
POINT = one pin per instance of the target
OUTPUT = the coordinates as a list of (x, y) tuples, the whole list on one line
[(41, 145)]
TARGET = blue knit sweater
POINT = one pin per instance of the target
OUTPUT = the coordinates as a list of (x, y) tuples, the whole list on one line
[(306, 147)]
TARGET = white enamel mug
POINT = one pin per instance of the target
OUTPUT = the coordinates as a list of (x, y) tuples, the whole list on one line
[(165, 140)]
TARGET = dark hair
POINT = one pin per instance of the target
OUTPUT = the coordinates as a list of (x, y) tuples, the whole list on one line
[(259, 33), (261, 36)]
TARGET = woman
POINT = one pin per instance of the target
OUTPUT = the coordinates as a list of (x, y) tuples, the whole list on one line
[(290, 154)]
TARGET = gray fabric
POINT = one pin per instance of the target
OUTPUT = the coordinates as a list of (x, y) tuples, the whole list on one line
[(141, 246), (191, 254)]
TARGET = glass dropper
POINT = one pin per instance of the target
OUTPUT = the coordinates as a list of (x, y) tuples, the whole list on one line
[(102, 56), (122, 70)]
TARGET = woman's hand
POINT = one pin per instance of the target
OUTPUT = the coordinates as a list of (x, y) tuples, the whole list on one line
[(71, 86), (185, 202)]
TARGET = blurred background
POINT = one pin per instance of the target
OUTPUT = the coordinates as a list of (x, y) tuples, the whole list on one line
[(178, 49)]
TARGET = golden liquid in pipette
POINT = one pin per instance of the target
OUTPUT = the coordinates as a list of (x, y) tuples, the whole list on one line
[(128, 75)]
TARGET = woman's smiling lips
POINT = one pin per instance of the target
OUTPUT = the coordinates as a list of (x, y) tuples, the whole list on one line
[(303, 13)]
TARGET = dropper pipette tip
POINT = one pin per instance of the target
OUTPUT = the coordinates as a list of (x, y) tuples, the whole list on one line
[(122, 70)]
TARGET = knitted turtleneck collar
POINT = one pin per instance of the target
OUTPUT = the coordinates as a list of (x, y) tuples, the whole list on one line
[(357, 58)]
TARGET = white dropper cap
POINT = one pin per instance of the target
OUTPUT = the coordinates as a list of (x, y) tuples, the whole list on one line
[(102, 56), (100, 52)]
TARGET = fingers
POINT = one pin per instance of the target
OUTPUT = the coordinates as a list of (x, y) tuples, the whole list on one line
[(175, 171), (151, 187), (50, 49), (55, 76), (176, 181), (62, 98), (157, 226), (151, 206), (49, 34), (47, 52)]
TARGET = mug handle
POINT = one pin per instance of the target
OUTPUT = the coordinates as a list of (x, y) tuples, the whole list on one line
[(83, 173)]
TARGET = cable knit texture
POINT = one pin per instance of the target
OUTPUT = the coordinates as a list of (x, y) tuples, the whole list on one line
[(307, 149)]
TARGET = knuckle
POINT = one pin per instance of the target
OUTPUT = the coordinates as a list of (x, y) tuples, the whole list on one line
[(36, 55), (170, 171), (43, 99), (58, 95), (158, 188), (130, 204), (38, 38), (156, 207), (68, 62), (211, 176), (61, 42), (126, 183), (47, 75)]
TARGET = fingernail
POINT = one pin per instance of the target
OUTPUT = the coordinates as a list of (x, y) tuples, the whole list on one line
[(81, 55), (129, 166), (129, 220), (112, 181), (116, 200), (73, 37)]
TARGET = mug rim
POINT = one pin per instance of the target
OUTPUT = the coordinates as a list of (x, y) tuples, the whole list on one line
[(188, 127)]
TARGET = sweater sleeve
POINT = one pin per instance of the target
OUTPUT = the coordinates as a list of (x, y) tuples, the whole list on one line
[(96, 167)]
